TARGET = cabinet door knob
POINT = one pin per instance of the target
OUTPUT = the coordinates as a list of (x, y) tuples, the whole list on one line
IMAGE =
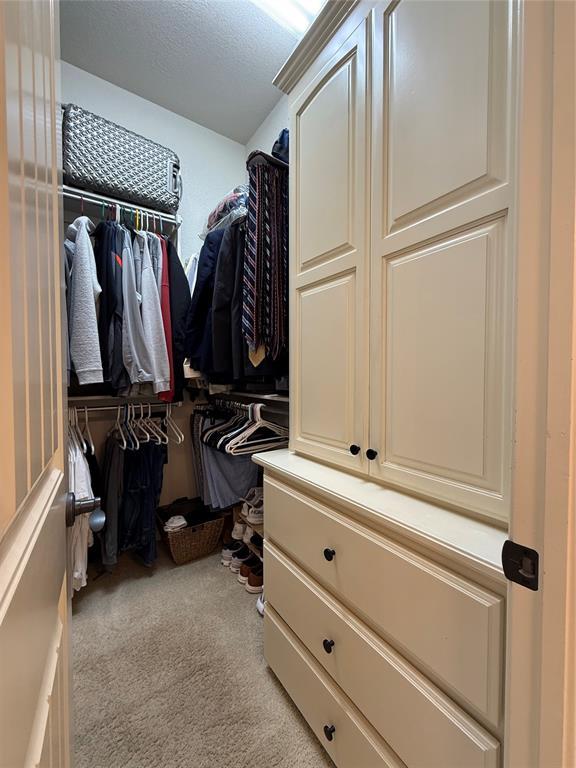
[(354, 450), (329, 731), (329, 554), (371, 454), (328, 645)]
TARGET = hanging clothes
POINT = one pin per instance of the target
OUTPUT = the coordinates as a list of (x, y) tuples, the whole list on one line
[(142, 486), (222, 480), (83, 293), (151, 314), (113, 491), (135, 354), (227, 342), (108, 242), (80, 539), (132, 473), (191, 272), (180, 301), (167, 396), (199, 332)]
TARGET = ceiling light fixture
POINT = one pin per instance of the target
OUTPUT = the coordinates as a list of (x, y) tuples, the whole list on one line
[(294, 15)]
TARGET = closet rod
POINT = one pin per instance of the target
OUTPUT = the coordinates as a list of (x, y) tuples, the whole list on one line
[(81, 407), (91, 197)]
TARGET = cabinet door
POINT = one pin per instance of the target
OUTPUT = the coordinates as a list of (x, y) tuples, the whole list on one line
[(442, 251), (328, 233)]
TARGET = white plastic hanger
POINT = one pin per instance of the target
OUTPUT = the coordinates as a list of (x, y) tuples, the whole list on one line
[(77, 431), (87, 431), (117, 428), (172, 427), (159, 436), (242, 443)]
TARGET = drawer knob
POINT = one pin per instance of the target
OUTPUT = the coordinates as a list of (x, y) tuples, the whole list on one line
[(328, 645), (329, 731), (329, 554), (371, 454), (354, 450)]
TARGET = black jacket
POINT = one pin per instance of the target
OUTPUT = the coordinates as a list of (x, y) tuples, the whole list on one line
[(179, 309), (227, 343), (199, 325), (107, 255)]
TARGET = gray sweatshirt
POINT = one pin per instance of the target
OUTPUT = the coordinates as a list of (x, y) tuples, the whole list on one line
[(84, 290), (156, 256), (152, 316), (134, 350)]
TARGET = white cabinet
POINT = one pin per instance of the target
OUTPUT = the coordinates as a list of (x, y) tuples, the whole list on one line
[(408, 290), (329, 263)]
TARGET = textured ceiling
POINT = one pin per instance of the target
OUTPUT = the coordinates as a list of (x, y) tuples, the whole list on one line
[(211, 61)]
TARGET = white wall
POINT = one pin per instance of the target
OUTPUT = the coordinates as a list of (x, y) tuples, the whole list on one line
[(267, 133), (211, 164)]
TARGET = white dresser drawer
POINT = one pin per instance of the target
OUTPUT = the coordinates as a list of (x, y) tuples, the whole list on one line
[(353, 743), (449, 626), (435, 734)]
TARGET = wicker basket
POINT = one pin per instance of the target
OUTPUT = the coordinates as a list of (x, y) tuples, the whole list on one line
[(195, 541)]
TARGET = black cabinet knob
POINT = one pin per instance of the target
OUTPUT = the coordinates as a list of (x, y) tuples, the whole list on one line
[(371, 454), (328, 645), (329, 554), (329, 731), (354, 450)]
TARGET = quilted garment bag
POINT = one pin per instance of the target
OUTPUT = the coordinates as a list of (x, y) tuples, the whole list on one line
[(100, 156)]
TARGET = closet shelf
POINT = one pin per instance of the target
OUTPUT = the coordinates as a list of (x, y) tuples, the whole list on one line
[(256, 527), (254, 550)]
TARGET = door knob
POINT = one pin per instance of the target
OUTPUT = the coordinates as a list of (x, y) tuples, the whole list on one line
[(329, 731), (328, 645), (371, 454), (329, 554), (76, 507), (354, 450)]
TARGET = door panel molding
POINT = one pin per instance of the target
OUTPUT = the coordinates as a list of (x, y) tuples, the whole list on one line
[(328, 357), (413, 165), (324, 134), (423, 410)]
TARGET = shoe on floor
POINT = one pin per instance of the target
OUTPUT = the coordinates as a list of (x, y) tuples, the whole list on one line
[(239, 531), (246, 568), (239, 557), (258, 542), (248, 533), (254, 498), (228, 551), (256, 512), (260, 604), (255, 583)]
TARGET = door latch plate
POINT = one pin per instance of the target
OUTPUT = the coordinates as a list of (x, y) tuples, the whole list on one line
[(520, 564)]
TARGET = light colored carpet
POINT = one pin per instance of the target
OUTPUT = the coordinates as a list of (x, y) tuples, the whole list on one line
[(169, 673)]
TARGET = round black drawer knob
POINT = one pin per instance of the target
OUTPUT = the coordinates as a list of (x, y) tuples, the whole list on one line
[(328, 645), (329, 554), (371, 454), (329, 731), (354, 450)]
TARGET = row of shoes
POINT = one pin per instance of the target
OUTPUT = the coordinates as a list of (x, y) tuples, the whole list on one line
[(247, 534), (253, 506), (247, 566)]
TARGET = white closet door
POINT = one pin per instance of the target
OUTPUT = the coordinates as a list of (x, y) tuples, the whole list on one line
[(34, 603), (328, 260), (442, 250)]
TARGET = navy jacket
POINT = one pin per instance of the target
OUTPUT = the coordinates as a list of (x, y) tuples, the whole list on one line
[(199, 326)]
